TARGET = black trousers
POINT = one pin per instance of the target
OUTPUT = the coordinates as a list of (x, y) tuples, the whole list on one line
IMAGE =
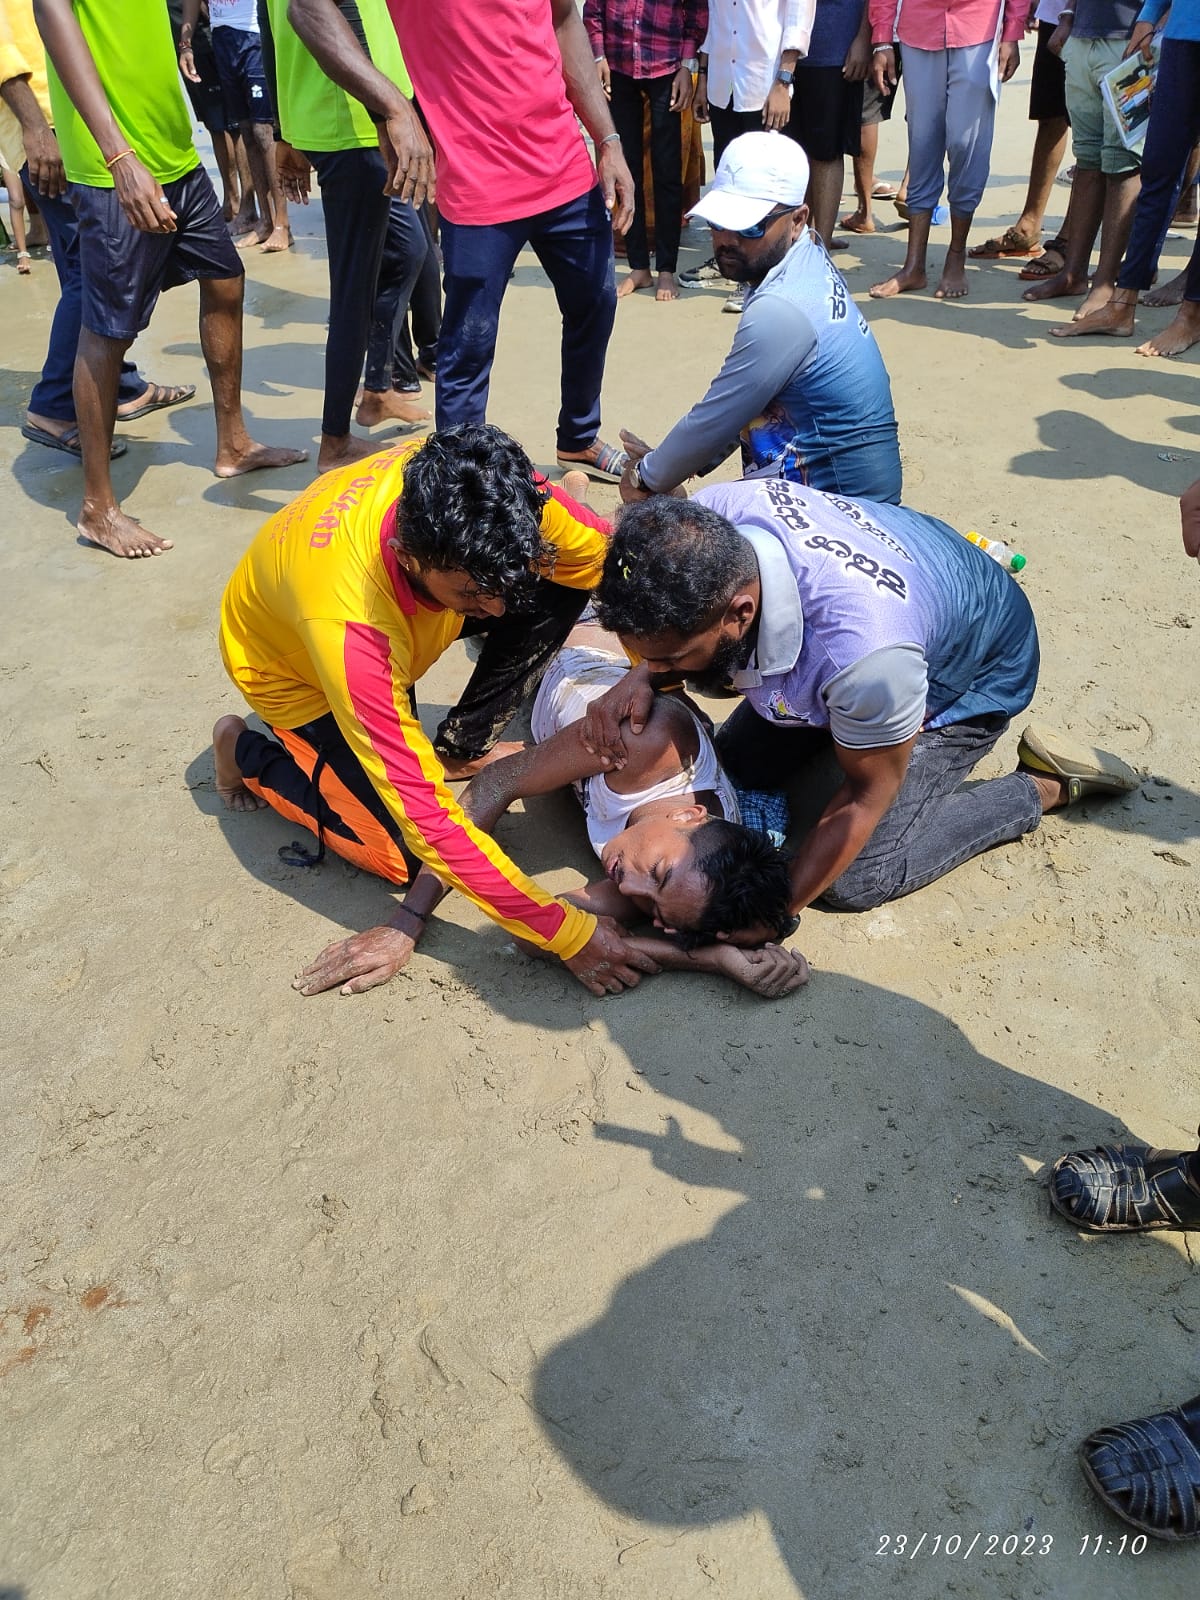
[(629, 97), (727, 124), (405, 247), (356, 219), (425, 315)]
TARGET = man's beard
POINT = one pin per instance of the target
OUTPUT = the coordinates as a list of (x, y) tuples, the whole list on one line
[(730, 657)]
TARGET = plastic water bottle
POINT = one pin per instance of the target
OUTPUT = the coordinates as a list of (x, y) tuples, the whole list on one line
[(1010, 560), (941, 215)]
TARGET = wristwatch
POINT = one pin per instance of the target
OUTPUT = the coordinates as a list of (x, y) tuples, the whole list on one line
[(785, 76), (690, 64), (635, 473)]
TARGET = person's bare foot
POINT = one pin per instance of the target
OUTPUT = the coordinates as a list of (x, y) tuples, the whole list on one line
[(456, 770), (859, 221), (246, 221), (252, 457), (1179, 336), (639, 278), (1169, 294), (899, 283), (120, 535), (1097, 297), (230, 784), (278, 239), (1059, 287), (576, 484), (667, 288), (257, 236), (341, 451), (954, 276), (1115, 319), (389, 405)]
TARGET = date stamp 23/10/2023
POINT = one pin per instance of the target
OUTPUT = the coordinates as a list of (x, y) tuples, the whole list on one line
[(907, 1546)]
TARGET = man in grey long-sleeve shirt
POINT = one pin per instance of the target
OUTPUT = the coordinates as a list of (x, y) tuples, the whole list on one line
[(804, 389)]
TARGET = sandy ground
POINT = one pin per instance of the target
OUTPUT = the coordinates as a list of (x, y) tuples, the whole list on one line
[(476, 1286)]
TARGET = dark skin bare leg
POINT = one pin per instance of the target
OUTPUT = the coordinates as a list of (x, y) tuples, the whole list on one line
[(221, 341), (912, 273), (259, 143), (101, 520), (954, 272), (229, 783)]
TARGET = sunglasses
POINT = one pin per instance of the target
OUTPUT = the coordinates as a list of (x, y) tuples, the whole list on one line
[(759, 228)]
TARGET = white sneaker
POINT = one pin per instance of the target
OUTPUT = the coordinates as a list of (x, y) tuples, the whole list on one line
[(737, 301), (707, 272)]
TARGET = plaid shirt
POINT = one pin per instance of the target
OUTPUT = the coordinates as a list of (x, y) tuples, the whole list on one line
[(645, 38)]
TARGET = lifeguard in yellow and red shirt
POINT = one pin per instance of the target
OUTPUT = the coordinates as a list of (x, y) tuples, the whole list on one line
[(343, 601)]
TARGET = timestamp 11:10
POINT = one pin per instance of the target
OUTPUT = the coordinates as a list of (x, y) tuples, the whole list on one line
[(1096, 1544)]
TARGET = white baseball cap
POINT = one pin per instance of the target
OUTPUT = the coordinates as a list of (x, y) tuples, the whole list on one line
[(758, 172)]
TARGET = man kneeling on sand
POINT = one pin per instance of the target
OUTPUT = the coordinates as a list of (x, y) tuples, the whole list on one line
[(867, 631), (341, 604)]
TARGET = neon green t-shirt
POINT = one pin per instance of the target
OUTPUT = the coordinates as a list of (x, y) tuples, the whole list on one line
[(314, 113), (131, 44)]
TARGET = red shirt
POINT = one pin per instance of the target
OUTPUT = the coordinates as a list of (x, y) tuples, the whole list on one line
[(489, 78), (645, 38)]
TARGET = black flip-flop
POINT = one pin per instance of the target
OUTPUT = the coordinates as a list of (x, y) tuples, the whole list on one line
[(67, 442)]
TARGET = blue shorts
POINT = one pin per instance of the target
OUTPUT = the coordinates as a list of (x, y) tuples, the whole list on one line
[(125, 270), (243, 81)]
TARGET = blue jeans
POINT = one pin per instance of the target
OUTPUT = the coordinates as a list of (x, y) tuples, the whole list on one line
[(574, 245), (52, 395), (933, 824), (1173, 130)]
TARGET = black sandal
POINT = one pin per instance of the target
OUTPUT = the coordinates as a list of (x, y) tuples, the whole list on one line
[(1148, 1472), (1125, 1188)]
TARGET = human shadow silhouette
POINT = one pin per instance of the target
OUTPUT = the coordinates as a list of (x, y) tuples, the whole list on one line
[(884, 1334)]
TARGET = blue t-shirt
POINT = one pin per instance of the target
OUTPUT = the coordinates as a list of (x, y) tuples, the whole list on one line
[(834, 26)]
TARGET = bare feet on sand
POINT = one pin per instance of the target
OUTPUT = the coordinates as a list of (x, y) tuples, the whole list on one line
[(389, 405), (1169, 294), (230, 784), (456, 770), (278, 239), (1181, 335), (120, 535), (639, 278), (256, 236), (667, 288), (250, 457), (900, 283), (954, 276), (1115, 318), (1059, 287), (341, 451), (858, 222)]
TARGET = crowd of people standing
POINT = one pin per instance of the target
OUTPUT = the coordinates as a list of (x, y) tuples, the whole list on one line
[(853, 627)]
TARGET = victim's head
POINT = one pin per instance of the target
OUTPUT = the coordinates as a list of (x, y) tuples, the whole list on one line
[(700, 877), (680, 587), (469, 522)]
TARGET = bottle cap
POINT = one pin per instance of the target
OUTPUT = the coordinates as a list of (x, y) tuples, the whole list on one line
[(1018, 563)]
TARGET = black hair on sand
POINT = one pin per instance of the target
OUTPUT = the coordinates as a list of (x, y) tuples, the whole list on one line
[(748, 878), (469, 503), (671, 565)]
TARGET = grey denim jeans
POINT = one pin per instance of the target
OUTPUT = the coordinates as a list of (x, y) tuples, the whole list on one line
[(932, 826)]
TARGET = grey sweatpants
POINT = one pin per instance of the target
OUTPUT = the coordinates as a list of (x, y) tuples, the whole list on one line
[(951, 112)]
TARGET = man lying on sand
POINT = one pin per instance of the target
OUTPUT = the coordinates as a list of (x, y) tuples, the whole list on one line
[(666, 828)]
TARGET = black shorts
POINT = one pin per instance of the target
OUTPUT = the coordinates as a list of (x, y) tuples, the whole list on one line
[(826, 118), (243, 81), (1048, 86), (878, 107), (208, 100), (125, 270)]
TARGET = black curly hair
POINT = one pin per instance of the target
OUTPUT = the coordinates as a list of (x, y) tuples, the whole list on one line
[(672, 565), (470, 504), (748, 880)]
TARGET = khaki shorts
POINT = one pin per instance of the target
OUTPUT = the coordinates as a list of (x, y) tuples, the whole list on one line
[(1094, 137)]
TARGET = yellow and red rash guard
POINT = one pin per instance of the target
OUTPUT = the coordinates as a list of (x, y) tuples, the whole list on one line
[(319, 617)]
